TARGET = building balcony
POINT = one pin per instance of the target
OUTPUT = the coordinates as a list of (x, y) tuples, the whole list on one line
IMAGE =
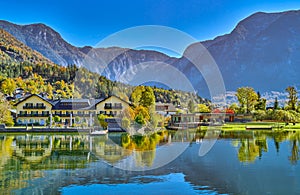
[(73, 115), (33, 115), (113, 107), (34, 107)]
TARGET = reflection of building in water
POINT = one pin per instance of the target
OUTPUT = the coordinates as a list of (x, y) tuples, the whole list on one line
[(32, 148), (52, 151), (11, 178)]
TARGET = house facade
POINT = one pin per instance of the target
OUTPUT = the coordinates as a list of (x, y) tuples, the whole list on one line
[(33, 109), (112, 106), (165, 109), (193, 120), (36, 109)]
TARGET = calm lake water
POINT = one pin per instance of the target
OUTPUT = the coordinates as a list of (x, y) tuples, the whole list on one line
[(162, 163)]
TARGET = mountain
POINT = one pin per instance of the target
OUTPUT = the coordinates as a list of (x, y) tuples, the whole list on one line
[(12, 50), (262, 51), (46, 41)]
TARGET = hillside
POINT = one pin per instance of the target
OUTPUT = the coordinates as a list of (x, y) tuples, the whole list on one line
[(12, 50)]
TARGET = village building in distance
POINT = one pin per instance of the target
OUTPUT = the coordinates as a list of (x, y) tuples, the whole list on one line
[(36, 109)]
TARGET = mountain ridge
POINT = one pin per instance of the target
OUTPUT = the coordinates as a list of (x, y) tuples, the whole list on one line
[(260, 51)]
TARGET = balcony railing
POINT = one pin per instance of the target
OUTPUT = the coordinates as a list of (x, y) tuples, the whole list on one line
[(113, 107), (33, 115), (73, 115), (34, 107)]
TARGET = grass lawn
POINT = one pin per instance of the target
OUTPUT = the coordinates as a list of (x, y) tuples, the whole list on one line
[(275, 125)]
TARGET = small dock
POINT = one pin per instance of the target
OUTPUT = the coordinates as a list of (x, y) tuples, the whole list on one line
[(258, 127)]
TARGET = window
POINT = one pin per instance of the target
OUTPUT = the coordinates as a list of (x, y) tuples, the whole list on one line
[(29, 105), (108, 106), (45, 113), (40, 105), (57, 112), (34, 113), (118, 105), (23, 113)]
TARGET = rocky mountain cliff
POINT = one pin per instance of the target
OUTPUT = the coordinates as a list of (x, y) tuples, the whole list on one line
[(263, 51), (46, 41)]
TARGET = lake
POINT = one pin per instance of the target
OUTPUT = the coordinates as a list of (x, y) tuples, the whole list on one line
[(162, 163)]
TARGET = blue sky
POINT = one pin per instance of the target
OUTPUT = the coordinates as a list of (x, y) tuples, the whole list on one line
[(88, 22)]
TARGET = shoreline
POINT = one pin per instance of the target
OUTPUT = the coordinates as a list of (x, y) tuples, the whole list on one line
[(250, 126)]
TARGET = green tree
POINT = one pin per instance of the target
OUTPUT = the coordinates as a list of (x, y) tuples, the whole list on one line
[(144, 99), (49, 91), (143, 96), (147, 99), (276, 105), (101, 119), (56, 119), (139, 118), (136, 95), (8, 86), (203, 108), (141, 110), (261, 104), (234, 107), (5, 115), (292, 97), (247, 98), (260, 114), (191, 106)]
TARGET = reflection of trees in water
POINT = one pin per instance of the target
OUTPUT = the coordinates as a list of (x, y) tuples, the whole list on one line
[(144, 146), (278, 138), (294, 142), (5, 150), (294, 153), (251, 148), (248, 151), (144, 158)]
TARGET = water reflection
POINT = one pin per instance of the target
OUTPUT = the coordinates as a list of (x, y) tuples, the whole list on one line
[(25, 158)]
